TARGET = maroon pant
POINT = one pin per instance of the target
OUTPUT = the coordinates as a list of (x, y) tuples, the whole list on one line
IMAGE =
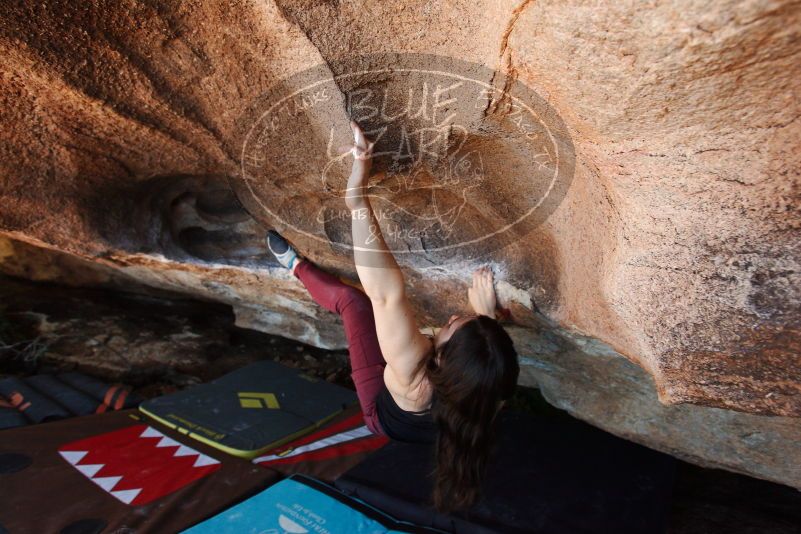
[(366, 361)]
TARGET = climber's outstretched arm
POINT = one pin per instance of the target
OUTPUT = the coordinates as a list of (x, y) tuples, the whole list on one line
[(396, 327)]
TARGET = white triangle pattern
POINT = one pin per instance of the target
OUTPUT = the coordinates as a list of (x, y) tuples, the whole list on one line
[(150, 432), (107, 483), (127, 496), (89, 470), (73, 457), (183, 450), (203, 460), (167, 442), (333, 439)]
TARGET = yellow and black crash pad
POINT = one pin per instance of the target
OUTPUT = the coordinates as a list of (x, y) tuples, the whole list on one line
[(252, 409)]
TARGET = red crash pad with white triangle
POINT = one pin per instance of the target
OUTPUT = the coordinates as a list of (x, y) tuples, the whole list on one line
[(138, 464), (328, 452), (116, 473)]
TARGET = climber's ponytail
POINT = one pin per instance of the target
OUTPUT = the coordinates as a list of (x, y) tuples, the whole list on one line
[(477, 369)]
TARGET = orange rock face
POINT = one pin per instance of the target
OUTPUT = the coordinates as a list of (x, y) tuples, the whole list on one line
[(138, 149)]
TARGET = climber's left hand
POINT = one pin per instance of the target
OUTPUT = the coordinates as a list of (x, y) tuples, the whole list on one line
[(361, 149)]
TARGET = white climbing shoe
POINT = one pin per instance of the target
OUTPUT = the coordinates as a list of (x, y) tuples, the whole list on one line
[(281, 249)]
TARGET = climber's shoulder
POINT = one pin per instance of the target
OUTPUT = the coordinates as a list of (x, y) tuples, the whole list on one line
[(399, 337)]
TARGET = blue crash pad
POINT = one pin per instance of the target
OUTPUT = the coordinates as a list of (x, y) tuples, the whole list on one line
[(301, 505)]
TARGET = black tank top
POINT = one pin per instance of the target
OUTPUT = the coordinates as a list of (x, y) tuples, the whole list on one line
[(401, 425)]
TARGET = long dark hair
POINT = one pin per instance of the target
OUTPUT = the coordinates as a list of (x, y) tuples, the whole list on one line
[(477, 369)]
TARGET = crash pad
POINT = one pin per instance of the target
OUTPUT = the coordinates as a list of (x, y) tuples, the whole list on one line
[(547, 475), (301, 505), (328, 452), (10, 417), (253, 409), (34, 405), (110, 396), (82, 475), (46, 397), (73, 400)]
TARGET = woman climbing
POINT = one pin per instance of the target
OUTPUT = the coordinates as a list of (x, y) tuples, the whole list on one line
[(446, 389)]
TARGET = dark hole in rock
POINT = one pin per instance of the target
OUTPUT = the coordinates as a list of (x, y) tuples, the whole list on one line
[(183, 218), (221, 205), (219, 245)]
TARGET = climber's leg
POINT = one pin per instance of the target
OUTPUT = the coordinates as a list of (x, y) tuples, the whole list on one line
[(366, 361)]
